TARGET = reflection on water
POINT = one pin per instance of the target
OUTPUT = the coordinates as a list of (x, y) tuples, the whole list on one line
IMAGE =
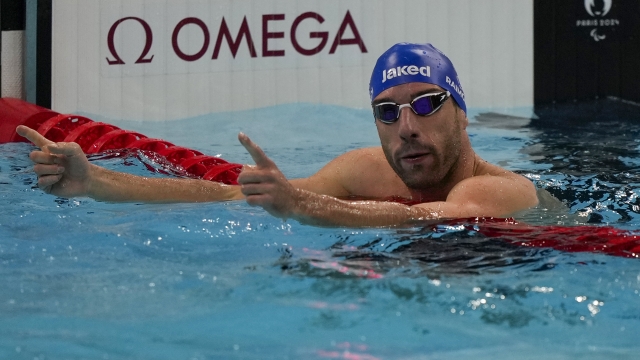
[(591, 157), (416, 253), (586, 138), (432, 271), (209, 281)]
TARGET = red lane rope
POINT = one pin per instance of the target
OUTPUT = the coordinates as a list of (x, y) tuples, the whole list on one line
[(94, 137), (117, 139), (583, 238), (58, 127)]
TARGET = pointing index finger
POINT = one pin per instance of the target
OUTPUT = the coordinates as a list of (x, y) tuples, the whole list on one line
[(33, 136), (261, 159)]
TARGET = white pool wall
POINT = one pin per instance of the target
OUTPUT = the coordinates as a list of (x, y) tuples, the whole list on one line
[(12, 60), (489, 41)]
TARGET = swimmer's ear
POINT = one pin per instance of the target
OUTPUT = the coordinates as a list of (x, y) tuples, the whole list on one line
[(461, 114), (465, 121)]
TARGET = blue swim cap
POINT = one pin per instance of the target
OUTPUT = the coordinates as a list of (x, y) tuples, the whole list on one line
[(405, 62)]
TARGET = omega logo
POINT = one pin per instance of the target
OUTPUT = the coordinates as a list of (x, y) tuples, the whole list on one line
[(243, 36), (147, 45)]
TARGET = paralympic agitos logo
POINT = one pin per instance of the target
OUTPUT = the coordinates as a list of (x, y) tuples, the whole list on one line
[(590, 6), (244, 35), (602, 21)]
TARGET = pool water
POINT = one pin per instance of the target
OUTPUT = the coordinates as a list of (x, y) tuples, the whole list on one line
[(82, 279)]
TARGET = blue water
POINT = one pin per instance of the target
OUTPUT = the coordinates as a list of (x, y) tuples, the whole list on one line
[(81, 279)]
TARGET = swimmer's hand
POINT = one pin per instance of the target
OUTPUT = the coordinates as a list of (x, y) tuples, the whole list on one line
[(264, 184), (62, 168)]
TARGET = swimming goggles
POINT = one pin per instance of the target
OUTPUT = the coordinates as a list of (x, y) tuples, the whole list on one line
[(423, 105)]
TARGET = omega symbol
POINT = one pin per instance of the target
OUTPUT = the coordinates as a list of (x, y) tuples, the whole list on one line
[(147, 45)]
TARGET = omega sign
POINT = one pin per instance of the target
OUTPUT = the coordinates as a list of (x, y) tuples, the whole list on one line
[(224, 36)]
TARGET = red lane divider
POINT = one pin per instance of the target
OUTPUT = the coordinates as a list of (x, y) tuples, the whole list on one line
[(583, 238), (58, 127), (87, 134), (200, 164), (224, 173), (177, 154), (116, 139), (94, 137), (14, 112), (155, 145)]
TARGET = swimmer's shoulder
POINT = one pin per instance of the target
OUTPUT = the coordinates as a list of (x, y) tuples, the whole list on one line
[(365, 159), (353, 163), (484, 167), (525, 189), (362, 172), (370, 153)]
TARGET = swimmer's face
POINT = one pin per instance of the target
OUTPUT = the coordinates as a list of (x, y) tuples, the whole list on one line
[(423, 150)]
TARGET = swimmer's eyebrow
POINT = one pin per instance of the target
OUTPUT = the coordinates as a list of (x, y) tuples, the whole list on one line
[(413, 96), (426, 91), (383, 100)]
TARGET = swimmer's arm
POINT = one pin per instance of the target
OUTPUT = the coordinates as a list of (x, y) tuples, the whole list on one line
[(480, 196), (324, 210), (63, 170), (112, 186)]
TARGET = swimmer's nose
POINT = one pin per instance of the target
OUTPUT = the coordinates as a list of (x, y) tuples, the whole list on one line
[(407, 124)]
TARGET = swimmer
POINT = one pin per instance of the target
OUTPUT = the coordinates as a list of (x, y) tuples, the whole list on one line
[(425, 155)]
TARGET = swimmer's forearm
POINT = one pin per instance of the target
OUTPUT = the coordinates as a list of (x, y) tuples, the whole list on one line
[(108, 185), (322, 210)]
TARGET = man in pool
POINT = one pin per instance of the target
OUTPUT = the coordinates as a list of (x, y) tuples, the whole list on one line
[(425, 156)]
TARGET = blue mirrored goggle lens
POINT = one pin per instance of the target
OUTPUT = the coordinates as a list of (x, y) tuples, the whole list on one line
[(387, 112), (423, 106)]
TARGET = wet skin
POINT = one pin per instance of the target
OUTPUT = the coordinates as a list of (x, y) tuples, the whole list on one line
[(428, 159), (429, 153)]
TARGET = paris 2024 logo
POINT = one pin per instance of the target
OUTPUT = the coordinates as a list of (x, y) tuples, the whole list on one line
[(601, 23)]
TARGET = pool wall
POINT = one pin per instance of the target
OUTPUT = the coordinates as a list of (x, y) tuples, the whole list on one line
[(167, 60), (12, 48)]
